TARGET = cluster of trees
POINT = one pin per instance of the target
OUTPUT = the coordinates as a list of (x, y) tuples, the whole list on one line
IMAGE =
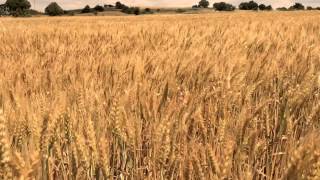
[(97, 8), (119, 5), (22, 7), (18, 7), (219, 6), (132, 10), (263, 7), (126, 9), (297, 6), (250, 5), (223, 6), (55, 10), (312, 8)]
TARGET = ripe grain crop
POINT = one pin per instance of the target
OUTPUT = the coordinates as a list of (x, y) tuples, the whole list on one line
[(208, 96)]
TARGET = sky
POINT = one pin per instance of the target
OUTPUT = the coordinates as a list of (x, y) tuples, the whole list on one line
[(73, 4)]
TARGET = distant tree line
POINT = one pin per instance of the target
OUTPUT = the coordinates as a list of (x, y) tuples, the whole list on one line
[(118, 5), (53, 9), (132, 10), (250, 5), (223, 6), (22, 8)]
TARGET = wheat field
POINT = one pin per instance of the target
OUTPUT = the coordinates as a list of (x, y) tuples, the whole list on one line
[(208, 96)]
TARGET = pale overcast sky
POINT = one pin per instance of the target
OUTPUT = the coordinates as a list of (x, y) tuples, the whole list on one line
[(70, 4)]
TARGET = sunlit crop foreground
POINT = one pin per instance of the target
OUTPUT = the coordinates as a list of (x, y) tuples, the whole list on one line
[(211, 96)]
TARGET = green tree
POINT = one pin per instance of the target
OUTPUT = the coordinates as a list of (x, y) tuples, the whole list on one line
[(136, 10), (18, 7), (262, 7), (131, 10), (251, 5), (297, 6), (53, 9), (269, 8), (222, 6), (204, 3), (119, 5), (86, 9), (99, 8)]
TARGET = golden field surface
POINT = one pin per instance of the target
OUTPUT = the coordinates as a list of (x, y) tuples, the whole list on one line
[(208, 96)]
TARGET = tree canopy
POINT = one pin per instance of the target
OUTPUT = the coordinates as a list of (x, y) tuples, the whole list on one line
[(99, 8), (53, 9), (203, 4), (86, 9), (263, 7), (119, 5), (15, 5), (297, 6), (222, 6), (251, 5)]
